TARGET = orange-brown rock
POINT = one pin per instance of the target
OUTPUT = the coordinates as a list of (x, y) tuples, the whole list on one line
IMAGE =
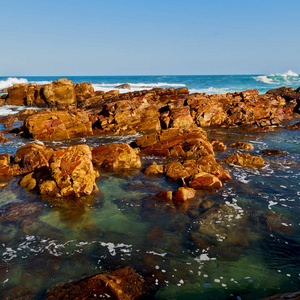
[(205, 180), (28, 181), (59, 93), (123, 284), (180, 118), (218, 146), (116, 156), (31, 147), (5, 167), (184, 194), (3, 139), (242, 145), (58, 125), (244, 160), (189, 143), (72, 173), (154, 169), (188, 168), (84, 91)]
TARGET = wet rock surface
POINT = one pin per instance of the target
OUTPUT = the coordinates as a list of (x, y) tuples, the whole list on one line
[(244, 160), (123, 284)]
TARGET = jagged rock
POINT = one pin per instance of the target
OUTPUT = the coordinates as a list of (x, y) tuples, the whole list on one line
[(242, 145), (184, 194), (217, 145), (189, 143), (3, 139), (58, 125), (205, 180), (154, 169), (28, 148), (123, 284), (5, 167), (244, 160), (72, 173), (116, 156)]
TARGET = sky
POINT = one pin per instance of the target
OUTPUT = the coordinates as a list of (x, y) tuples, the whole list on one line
[(115, 37)]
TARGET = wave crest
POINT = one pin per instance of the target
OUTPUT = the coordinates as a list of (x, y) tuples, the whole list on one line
[(288, 77), (4, 84)]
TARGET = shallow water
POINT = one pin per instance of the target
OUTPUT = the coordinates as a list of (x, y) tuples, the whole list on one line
[(121, 225)]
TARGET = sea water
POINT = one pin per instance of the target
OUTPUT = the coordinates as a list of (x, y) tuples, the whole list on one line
[(121, 226)]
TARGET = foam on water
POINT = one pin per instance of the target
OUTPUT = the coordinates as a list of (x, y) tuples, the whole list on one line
[(286, 78), (10, 81)]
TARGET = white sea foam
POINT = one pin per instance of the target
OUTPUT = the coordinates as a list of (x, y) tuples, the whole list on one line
[(279, 78), (134, 86), (13, 80), (12, 109), (212, 90)]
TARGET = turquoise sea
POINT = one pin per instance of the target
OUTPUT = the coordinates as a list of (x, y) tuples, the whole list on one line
[(55, 241)]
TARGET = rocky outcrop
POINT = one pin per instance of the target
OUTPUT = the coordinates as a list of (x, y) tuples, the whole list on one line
[(58, 125), (205, 180), (244, 160), (115, 156), (186, 143), (67, 172), (123, 284), (72, 173)]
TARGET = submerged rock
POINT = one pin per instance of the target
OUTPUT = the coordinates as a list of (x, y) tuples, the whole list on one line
[(271, 152), (245, 160), (296, 126), (123, 284), (284, 296), (116, 156)]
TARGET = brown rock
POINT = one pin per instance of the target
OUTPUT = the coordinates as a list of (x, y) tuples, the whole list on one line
[(28, 181), (58, 125), (244, 160), (166, 196), (115, 156), (184, 194), (60, 93), (123, 86), (242, 146), (205, 180), (218, 146), (123, 284), (271, 152), (180, 118), (189, 143), (3, 139), (154, 169), (28, 148), (277, 223), (5, 168), (72, 173)]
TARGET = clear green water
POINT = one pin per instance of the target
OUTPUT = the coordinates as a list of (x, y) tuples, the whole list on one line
[(123, 226)]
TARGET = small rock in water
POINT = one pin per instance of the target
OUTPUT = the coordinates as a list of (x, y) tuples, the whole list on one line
[(242, 146), (3, 184), (123, 86), (270, 152)]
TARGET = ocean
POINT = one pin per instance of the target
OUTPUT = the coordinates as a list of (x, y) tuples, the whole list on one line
[(121, 227)]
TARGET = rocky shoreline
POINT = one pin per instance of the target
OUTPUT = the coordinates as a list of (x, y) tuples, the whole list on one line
[(171, 123)]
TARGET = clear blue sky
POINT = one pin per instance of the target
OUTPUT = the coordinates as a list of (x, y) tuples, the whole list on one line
[(139, 37)]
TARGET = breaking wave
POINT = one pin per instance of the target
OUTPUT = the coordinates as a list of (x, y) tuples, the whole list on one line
[(287, 78), (10, 81)]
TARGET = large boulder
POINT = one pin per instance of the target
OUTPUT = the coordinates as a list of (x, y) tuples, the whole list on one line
[(58, 125), (72, 173), (188, 143), (123, 284), (116, 156)]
